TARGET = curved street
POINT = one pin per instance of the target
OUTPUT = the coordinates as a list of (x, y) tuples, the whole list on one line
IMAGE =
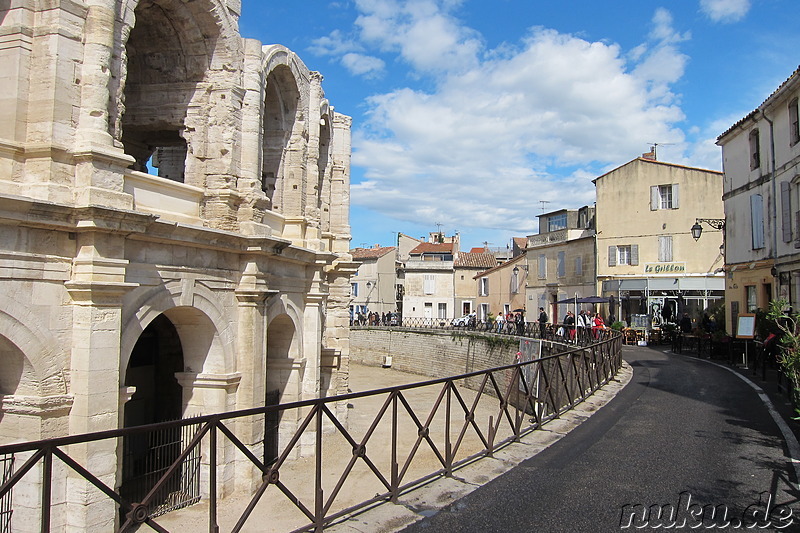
[(683, 434)]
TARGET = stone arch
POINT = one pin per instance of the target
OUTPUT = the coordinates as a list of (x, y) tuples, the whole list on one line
[(205, 332), (175, 53), (285, 374), (284, 135), (28, 340)]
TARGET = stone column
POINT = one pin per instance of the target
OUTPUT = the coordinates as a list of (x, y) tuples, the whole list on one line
[(252, 295), (94, 375), (97, 288), (95, 75)]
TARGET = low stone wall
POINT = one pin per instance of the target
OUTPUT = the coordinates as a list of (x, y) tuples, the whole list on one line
[(435, 354)]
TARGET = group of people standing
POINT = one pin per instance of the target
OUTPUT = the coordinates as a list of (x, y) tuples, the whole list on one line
[(586, 323), (372, 319), (510, 323)]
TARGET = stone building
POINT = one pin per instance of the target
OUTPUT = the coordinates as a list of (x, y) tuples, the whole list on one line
[(373, 289), (762, 204), (501, 289), (219, 281), (560, 262)]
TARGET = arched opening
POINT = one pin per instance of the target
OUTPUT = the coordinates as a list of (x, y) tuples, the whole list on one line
[(322, 188), (167, 56), (157, 397), (284, 376), (17, 375), (280, 116)]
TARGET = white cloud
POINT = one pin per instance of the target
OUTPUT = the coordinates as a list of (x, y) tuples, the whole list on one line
[(503, 129), (725, 10), (363, 65), (422, 32), (334, 44)]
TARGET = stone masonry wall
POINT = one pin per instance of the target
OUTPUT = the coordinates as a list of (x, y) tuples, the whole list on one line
[(435, 354)]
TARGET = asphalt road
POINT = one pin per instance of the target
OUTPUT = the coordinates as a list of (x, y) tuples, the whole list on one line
[(682, 428)]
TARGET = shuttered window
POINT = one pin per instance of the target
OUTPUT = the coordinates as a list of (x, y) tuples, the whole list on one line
[(562, 267), (757, 221), (786, 211), (542, 266), (665, 248), (429, 284)]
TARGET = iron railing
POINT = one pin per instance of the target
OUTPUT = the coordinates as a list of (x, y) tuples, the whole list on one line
[(562, 333), (450, 427), (6, 467)]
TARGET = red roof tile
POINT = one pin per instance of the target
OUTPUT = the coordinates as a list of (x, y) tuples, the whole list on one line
[(370, 253), (473, 260), (433, 248)]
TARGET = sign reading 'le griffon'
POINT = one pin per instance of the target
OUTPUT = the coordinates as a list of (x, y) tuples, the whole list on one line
[(664, 268)]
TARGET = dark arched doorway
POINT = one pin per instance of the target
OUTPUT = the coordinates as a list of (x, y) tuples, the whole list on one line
[(158, 397)]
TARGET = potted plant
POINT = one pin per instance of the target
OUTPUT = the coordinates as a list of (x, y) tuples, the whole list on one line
[(789, 354)]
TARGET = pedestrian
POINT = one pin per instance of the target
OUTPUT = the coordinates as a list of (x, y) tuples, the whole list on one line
[(569, 323), (520, 321), (583, 325), (686, 323), (542, 322), (500, 322), (598, 325)]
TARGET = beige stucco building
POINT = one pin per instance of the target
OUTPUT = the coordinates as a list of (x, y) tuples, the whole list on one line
[(230, 260), (760, 155), (646, 256), (560, 262), (373, 289), (501, 289)]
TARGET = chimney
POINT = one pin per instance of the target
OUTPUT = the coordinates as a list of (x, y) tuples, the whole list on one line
[(651, 155)]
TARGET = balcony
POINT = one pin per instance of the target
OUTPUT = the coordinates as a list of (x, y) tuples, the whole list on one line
[(558, 236), (170, 200)]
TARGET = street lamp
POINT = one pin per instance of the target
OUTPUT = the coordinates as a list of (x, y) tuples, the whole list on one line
[(716, 223)]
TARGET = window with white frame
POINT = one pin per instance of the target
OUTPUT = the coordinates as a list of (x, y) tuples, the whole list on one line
[(483, 311), (626, 254), (442, 310), (794, 123), (664, 196), (665, 248), (484, 286), (429, 284), (354, 289)]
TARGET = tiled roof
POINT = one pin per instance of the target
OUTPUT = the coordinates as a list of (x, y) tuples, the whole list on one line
[(650, 161), (371, 253), (433, 248), (521, 242), (475, 260), (507, 264), (750, 115)]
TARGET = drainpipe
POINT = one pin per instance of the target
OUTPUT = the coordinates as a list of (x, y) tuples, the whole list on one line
[(774, 270)]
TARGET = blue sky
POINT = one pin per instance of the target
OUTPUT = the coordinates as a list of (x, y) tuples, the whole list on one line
[(477, 115)]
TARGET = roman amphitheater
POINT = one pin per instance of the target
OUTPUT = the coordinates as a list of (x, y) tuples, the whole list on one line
[(174, 206)]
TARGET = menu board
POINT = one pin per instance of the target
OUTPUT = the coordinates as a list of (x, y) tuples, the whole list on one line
[(746, 326)]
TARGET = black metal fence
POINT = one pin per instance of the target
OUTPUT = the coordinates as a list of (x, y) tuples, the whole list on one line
[(561, 333), (446, 426), (6, 467)]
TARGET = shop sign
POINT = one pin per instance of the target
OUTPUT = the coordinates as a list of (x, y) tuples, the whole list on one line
[(665, 268)]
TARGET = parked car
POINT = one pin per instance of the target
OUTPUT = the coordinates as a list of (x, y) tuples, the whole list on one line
[(464, 321)]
